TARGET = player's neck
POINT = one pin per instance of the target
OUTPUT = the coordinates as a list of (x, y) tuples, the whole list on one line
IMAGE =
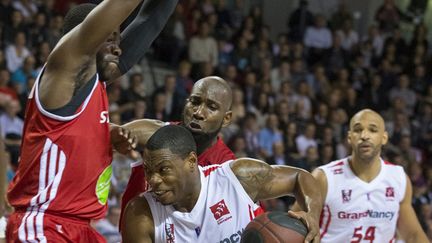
[(365, 170), (205, 145), (191, 198)]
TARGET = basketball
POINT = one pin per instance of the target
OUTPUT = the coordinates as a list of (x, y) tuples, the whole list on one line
[(274, 227)]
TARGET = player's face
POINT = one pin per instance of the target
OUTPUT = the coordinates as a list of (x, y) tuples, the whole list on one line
[(367, 135), (167, 175), (205, 110), (108, 57)]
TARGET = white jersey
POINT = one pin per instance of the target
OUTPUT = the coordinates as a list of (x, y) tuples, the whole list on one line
[(357, 211), (221, 213)]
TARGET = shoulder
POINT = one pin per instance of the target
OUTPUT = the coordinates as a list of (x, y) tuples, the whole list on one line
[(137, 224), (138, 208)]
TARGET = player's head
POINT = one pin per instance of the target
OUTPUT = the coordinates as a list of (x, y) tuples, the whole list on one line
[(367, 135), (208, 109), (109, 52), (171, 164)]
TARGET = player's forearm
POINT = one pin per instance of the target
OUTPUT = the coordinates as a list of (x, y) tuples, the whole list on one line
[(143, 129), (416, 237), (307, 193), (139, 35)]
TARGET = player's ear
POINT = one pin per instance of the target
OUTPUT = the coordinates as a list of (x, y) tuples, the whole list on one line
[(384, 139), (227, 119), (192, 161), (349, 137)]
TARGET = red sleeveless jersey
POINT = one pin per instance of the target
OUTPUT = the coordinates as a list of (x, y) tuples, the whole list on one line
[(65, 163)]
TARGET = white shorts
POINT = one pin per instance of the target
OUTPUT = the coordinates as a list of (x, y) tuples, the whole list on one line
[(2, 227)]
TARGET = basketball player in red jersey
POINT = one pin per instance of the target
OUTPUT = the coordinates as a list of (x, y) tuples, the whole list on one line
[(206, 111), (64, 173)]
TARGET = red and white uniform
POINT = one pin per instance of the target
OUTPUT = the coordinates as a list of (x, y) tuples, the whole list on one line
[(65, 165), (357, 211), (216, 154), (221, 213)]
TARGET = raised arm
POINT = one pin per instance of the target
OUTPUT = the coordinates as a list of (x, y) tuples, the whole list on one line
[(408, 224), (73, 60), (137, 224), (142, 129), (143, 30), (262, 181)]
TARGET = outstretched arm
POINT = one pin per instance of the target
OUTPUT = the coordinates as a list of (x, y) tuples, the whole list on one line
[(262, 181), (137, 224), (143, 129), (140, 34), (73, 60), (408, 224)]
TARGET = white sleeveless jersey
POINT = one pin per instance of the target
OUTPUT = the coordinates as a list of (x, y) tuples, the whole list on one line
[(357, 211), (221, 213)]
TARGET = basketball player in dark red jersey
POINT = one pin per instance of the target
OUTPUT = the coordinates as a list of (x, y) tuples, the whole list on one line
[(206, 111), (64, 173)]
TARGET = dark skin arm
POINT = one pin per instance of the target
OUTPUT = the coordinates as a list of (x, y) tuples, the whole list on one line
[(408, 225), (73, 60), (262, 181), (143, 129), (138, 225)]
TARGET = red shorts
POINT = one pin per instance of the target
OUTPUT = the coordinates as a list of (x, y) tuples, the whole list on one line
[(24, 227)]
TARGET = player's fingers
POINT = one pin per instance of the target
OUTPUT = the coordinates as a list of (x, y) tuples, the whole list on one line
[(317, 238)]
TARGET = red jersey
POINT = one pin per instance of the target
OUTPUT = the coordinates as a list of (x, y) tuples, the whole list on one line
[(216, 154), (65, 163)]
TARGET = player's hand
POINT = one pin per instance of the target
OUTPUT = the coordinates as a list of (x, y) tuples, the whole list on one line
[(311, 224), (122, 140)]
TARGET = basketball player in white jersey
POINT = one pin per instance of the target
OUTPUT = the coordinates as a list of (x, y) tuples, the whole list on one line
[(366, 199), (190, 203)]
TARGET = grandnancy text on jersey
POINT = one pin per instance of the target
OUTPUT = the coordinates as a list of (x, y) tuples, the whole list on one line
[(369, 213), (233, 238)]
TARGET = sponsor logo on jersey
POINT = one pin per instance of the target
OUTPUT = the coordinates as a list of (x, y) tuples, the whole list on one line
[(220, 212), (104, 117), (390, 193), (233, 238), (337, 171), (169, 231), (346, 195), (367, 214)]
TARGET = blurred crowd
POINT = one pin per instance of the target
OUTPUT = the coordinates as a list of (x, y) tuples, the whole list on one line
[(293, 95)]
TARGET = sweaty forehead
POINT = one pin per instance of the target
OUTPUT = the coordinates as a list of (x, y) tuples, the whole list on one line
[(367, 118), (155, 157), (210, 90)]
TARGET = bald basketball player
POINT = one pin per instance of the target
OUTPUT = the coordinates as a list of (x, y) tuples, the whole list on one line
[(365, 197), (206, 111), (190, 203)]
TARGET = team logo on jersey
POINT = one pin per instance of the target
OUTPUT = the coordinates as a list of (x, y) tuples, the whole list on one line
[(337, 171), (169, 232), (219, 210), (346, 195), (389, 193)]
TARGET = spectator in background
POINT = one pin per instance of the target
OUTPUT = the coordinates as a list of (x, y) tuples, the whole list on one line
[(341, 15), (388, 16), (349, 37), (17, 52), (27, 7), (306, 139), (405, 93), (317, 39), (268, 136), (20, 76), (15, 25), (202, 48), (299, 21), (174, 100), (10, 123)]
